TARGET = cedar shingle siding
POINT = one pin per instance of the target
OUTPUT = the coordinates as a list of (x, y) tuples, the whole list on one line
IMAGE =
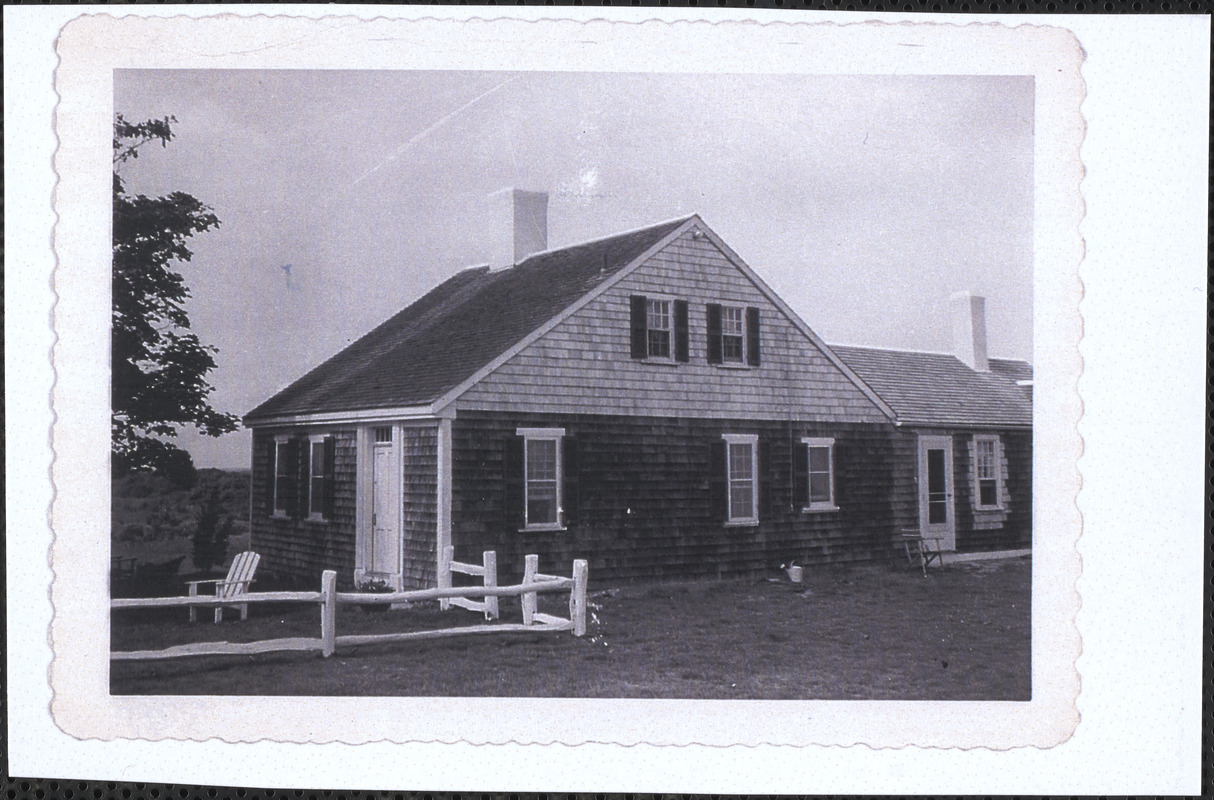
[(643, 448), (299, 550), (420, 505), (295, 548), (585, 363), (643, 505)]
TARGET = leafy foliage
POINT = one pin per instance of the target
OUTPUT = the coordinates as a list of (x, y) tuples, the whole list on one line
[(159, 368)]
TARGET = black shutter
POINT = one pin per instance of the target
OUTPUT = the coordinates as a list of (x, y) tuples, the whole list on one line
[(681, 340), (800, 476), (752, 336), (290, 483), (718, 486), (766, 504), (640, 327), (714, 333), (838, 463), (569, 489), (303, 476), (512, 474), (271, 474), (330, 480)]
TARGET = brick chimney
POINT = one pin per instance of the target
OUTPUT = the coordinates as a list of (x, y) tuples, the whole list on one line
[(969, 330), (517, 225)]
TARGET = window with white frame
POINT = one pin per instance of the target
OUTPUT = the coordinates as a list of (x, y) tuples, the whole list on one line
[(988, 474), (733, 334), (542, 478), (282, 475), (316, 477), (657, 321), (820, 472), (742, 478)]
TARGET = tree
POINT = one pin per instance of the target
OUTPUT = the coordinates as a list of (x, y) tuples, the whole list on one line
[(159, 368)]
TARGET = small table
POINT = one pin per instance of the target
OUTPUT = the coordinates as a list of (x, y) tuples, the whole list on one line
[(921, 549)]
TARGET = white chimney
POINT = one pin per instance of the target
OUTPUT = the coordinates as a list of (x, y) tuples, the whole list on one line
[(517, 226), (969, 330)]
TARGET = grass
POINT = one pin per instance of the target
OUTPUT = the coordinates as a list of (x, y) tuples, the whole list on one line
[(962, 633)]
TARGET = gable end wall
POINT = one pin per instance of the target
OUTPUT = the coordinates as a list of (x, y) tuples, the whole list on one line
[(583, 365)]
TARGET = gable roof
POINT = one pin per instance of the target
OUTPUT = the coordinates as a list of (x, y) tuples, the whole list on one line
[(939, 389), (459, 327)]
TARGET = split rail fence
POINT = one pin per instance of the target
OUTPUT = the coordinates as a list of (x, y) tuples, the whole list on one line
[(534, 583)]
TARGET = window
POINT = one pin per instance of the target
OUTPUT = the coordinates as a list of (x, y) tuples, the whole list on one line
[(383, 435), (657, 320), (733, 335), (659, 329), (542, 478), (318, 468), (820, 474), (988, 474), (742, 478), (283, 479)]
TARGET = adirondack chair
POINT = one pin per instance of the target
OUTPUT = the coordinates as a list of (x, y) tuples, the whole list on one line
[(233, 586)]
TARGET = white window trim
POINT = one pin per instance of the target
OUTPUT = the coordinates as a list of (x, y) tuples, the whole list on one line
[(752, 440), (741, 363), (829, 444), (315, 516), (553, 435), (998, 455), (669, 300), (275, 512)]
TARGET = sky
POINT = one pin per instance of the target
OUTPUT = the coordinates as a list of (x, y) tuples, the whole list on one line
[(863, 201)]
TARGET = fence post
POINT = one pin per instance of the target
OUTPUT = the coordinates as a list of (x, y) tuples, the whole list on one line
[(577, 597), (444, 574), (531, 565), (328, 612), (193, 609), (490, 581)]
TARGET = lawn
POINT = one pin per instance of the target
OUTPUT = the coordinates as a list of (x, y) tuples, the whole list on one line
[(961, 633)]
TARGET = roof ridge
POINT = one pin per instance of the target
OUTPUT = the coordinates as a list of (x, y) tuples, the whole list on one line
[(922, 352), (608, 237)]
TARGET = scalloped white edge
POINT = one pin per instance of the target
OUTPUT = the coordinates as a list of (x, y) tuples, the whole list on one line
[(92, 45)]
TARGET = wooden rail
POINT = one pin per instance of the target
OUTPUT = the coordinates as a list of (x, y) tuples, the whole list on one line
[(487, 571), (534, 583), (206, 600)]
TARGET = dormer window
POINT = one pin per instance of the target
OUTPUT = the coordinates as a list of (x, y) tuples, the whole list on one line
[(658, 328)]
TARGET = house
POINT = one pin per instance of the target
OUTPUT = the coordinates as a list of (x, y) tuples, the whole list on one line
[(964, 435), (644, 401)]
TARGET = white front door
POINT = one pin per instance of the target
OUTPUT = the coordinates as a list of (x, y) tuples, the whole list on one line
[(936, 512), (383, 552)]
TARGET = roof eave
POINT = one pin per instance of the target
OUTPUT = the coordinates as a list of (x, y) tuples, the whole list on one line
[(983, 426), (358, 416)]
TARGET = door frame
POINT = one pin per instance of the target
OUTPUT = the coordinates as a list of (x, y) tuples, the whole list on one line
[(364, 510), (945, 443)]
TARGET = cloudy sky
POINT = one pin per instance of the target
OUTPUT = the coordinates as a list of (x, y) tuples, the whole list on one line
[(344, 195)]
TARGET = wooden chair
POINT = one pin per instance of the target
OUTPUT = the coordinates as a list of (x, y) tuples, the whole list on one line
[(237, 583), (921, 550)]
